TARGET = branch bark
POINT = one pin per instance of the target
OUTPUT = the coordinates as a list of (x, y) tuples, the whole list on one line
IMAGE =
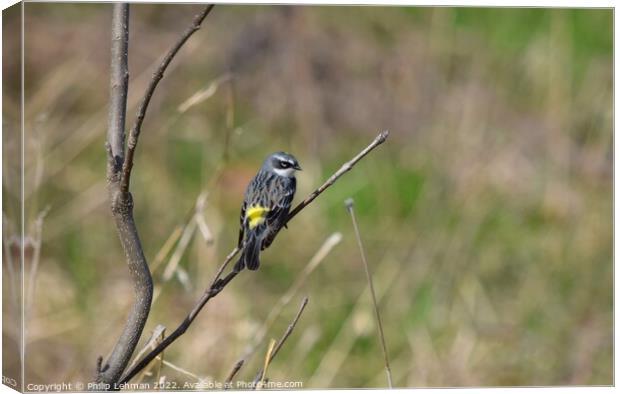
[(217, 285), (122, 205)]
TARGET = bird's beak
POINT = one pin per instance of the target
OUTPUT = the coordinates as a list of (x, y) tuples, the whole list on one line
[(297, 167)]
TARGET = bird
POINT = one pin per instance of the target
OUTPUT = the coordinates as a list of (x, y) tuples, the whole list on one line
[(265, 207)]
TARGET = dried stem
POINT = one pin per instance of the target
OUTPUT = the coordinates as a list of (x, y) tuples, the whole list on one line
[(218, 284), (134, 134), (284, 300), (232, 374), (260, 374), (263, 372), (388, 371), (36, 258)]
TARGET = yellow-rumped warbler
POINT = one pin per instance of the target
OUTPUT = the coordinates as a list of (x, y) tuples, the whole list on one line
[(266, 206)]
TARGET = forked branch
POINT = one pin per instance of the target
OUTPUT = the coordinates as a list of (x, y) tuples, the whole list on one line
[(122, 206), (118, 173)]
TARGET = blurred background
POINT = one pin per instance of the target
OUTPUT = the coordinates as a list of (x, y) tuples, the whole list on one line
[(486, 217)]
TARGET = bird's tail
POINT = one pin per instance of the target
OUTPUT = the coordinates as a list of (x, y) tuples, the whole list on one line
[(249, 255)]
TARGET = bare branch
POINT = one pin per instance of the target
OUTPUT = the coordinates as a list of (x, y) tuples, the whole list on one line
[(284, 300), (232, 374), (119, 80), (134, 134), (349, 205), (345, 168), (122, 205), (259, 376), (217, 285), (118, 173), (212, 291)]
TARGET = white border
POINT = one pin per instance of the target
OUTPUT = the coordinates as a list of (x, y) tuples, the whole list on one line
[(480, 3)]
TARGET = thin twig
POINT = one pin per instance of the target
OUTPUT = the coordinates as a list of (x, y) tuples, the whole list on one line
[(215, 288), (134, 134), (341, 345), (217, 285), (388, 371), (233, 372), (314, 262), (345, 168), (260, 375)]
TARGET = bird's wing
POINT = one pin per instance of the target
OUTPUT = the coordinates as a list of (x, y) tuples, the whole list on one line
[(242, 223), (282, 193)]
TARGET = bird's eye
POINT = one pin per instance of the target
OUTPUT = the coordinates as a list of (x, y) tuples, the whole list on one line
[(285, 164)]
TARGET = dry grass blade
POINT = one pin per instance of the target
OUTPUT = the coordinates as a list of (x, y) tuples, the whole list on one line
[(36, 257), (186, 237), (167, 247), (206, 233), (182, 370), (287, 333), (158, 335), (343, 342), (204, 94), (386, 360), (272, 344), (314, 262), (199, 217), (8, 257)]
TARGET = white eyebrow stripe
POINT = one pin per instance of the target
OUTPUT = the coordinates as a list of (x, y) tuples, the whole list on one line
[(287, 172)]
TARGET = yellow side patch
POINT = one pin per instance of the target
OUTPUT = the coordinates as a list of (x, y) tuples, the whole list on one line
[(256, 215)]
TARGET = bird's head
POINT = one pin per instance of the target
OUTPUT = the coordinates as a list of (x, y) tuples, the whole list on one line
[(282, 163)]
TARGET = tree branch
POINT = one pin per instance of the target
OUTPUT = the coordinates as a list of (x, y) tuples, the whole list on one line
[(122, 205), (217, 285), (119, 80), (118, 173), (134, 134), (379, 139)]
